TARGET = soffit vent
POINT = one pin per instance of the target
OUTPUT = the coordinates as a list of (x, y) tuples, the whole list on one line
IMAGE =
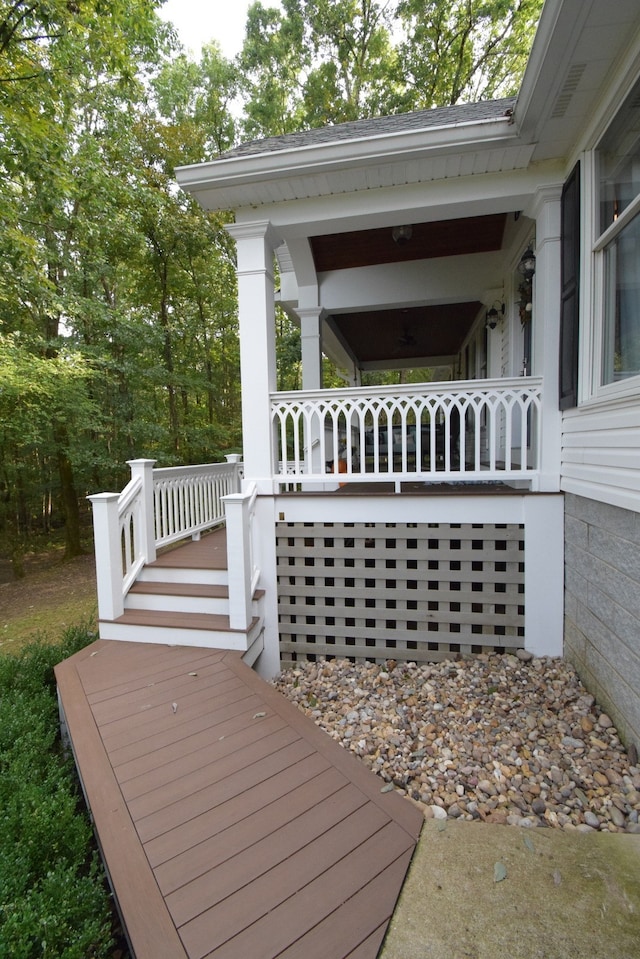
[(569, 87)]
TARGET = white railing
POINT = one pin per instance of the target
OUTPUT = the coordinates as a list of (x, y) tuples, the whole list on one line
[(473, 430), (188, 499), (156, 507)]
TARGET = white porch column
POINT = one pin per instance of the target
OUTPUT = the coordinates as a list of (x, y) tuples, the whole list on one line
[(311, 352), (544, 574), (255, 244), (546, 328), (311, 347)]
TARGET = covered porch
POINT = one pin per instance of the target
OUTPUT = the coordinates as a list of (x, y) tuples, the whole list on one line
[(420, 258), (424, 268)]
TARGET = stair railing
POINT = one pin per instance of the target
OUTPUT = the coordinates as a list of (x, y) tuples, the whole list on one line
[(242, 571), (156, 507), (189, 499)]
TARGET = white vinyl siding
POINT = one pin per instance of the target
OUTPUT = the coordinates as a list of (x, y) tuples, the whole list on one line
[(601, 453)]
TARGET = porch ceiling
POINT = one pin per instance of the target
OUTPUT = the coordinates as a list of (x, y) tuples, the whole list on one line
[(401, 336), (391, 337), (342, 251)]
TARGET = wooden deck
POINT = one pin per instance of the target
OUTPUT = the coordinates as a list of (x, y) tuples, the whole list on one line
[(208, 552), (231, 826)]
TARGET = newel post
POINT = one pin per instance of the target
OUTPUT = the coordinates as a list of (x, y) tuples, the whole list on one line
[(106, 534), (143, 469), (236, 507), (235, 459)]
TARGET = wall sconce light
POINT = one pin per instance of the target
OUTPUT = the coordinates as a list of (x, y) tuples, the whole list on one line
[(527, 268), (527, 264), (494, 315), (402, 234)]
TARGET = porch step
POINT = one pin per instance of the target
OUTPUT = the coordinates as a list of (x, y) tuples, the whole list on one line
[(182, 597), (185, 575), (199, 562), (180, 629)]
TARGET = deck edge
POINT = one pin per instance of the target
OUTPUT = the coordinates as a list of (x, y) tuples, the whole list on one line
[(149, 928)]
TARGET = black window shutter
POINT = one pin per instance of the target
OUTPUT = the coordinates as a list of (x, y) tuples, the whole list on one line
[(570, 291)]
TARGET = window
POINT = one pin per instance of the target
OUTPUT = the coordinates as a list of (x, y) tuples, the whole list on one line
[(619, 242)]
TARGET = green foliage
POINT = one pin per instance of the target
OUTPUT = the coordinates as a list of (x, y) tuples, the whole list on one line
[(53, 898), (118, 312), (118, 328), (464, 50), (317, 62), (273, 59)]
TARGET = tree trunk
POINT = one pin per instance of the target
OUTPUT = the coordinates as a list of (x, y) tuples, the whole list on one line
[(68, 499)]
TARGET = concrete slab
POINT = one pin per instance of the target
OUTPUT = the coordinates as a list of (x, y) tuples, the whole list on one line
[(483, 891)]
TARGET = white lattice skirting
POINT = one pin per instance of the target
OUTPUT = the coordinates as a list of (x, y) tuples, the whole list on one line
[(403, 591)]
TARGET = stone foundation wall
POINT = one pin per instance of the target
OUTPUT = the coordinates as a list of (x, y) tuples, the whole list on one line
[(602, 606)]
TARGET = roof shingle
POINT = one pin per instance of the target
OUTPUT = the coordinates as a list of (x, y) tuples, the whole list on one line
[(398, 123)]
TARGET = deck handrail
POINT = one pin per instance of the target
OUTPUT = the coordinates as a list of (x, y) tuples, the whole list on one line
[(432, 432), (157, 507), (189, 499)]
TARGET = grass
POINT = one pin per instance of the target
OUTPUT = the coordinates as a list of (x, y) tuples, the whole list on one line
[(52, 597), (45, 625)]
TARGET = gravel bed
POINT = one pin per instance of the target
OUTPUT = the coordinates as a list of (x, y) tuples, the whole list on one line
[(497, 738)]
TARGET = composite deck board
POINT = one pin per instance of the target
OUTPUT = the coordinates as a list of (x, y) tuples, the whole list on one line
[(181, 589), (154, 718), (159, 673), (161, 618), (271, 875), (231, 825), (220, 770), (135, 781), (197, 714), (276, 823), (275, 791), (209, 552), (279, 764)]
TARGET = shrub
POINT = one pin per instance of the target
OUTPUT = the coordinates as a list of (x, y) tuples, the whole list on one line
[(54, 902)]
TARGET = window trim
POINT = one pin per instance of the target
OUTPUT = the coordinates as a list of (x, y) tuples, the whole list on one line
[(592, 391), (615, 228)]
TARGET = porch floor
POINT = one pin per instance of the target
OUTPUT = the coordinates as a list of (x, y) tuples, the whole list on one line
[(459, 488), (231, 826)]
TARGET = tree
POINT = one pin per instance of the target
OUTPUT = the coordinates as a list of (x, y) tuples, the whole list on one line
[(40, 397), (464, 50), (316, 63), (63, 68), (328, 61), (273, 60)]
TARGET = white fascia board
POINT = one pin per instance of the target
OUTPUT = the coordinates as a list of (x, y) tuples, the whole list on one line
[(536, 74), (588, 35), (222, 174)]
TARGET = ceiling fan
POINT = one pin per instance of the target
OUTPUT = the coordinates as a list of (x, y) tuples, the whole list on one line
[(406, 340)]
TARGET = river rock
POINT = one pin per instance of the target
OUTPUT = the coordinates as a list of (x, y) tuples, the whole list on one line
[(495, 737)]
